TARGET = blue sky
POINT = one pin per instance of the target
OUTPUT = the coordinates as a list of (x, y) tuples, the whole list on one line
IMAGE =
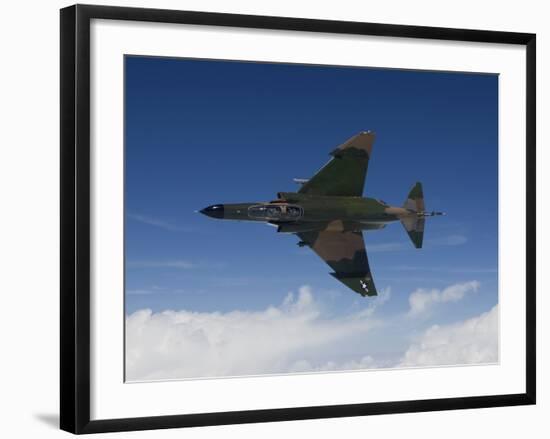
[(200, 132)]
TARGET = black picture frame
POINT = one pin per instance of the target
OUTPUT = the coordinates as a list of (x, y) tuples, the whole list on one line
[(75, 218)]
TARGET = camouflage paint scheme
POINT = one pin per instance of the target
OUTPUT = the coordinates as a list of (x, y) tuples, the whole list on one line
[(328, 213)]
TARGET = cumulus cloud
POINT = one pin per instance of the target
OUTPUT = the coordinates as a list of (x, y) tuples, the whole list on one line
[(422, 300), (366, 362), (301, 335), (183, 344), (473, 341)]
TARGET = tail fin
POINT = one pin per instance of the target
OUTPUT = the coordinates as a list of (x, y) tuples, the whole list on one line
[(415, 200), (414, 225)]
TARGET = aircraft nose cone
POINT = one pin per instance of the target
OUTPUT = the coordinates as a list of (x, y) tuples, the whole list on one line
[(214, 211)]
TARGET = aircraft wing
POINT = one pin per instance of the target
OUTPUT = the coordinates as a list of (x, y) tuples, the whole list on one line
[(345, 253), (345, 173)]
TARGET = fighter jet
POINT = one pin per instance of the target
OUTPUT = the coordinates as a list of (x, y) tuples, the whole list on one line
[(329, 213)]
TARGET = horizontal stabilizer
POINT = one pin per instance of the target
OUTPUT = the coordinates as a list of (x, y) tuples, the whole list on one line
[(414, 226)]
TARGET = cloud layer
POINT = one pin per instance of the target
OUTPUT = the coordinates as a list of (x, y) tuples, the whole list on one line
[(421, 300), (180, 344), (299, 336), (472, 341)]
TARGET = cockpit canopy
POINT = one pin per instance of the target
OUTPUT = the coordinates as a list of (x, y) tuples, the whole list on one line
[(275, 212)]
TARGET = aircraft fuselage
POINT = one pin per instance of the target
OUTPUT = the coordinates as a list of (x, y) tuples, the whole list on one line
[(294, 212)]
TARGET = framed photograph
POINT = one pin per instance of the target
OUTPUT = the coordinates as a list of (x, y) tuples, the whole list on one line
[(396, 166)]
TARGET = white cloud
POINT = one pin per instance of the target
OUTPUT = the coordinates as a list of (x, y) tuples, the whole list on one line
[(376, 302), (157, 222), (450, 240), (300, 335), (386, 247), (161, 290), (473, 341), (181, 264), (444, 241), (181, 344), (422, 300), (366, 362), (139, 292), (453, 269)]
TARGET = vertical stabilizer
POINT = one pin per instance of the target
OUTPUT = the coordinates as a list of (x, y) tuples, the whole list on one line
[(415, 199)]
